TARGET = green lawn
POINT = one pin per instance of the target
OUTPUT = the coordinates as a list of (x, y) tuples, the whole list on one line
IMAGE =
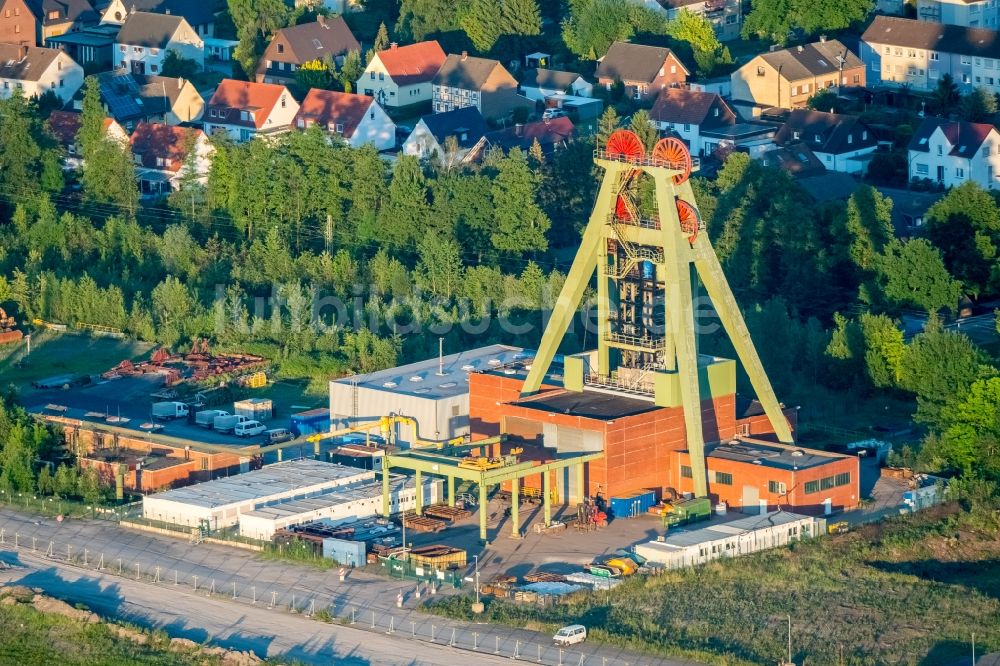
[(31, 638), (54, 353), (905, 592)]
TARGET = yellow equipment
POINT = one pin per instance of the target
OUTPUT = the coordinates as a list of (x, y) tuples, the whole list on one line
[(386, 427), (839, 527)]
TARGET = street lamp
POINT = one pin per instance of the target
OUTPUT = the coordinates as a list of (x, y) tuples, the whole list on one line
[(478, 606)]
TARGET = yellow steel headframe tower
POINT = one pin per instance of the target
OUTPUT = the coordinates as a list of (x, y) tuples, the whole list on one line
[(647, 268)]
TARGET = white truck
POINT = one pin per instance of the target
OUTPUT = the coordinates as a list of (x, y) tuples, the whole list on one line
[(169, 410), (206, 417), (228, 423)]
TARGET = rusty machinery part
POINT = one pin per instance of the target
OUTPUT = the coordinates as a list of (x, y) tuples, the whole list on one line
[(673, 151), (624, 145), (6, 322), (689, 219), (160, 356)]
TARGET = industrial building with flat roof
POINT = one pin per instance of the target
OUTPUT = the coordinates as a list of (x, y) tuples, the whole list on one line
[(759, 476), (338, 506), (434, 392), (687, 548), (221, 502)]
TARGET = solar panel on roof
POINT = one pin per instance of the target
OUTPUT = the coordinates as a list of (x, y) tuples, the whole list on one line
[(121, 93)]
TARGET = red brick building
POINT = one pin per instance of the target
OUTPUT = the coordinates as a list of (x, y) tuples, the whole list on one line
[(645, 447), (753, 474), (643, 70)]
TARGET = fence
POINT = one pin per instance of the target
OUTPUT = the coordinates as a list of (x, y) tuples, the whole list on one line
[(515, 644), (404, 570), (57, 506)]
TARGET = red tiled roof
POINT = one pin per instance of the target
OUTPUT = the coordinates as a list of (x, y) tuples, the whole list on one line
[(65, 125), (547, 132), (414, 63), (965, 137), (233, 96), (679, 105), (324, 107), (153, 141)]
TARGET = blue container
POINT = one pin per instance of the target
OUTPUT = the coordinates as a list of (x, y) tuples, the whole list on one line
[(648, 270), (633, 504), (310, 423)]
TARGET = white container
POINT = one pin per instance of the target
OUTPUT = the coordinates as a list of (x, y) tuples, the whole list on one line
[(258, 409), (721, 508)]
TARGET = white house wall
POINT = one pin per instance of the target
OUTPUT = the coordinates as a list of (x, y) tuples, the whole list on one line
[(379, 131)]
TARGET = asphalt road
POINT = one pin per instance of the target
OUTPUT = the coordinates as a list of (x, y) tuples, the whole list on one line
[(166, 582), (265, 632)]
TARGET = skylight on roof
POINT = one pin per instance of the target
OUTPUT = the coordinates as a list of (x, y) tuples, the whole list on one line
[(318, 44), (822, 62), (416, 378), (923, 140), (448, 385)]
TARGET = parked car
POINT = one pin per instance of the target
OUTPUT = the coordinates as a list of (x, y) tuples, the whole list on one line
[(278, 435), (574, 633), (228, 423), (549, 114), (249, 428)]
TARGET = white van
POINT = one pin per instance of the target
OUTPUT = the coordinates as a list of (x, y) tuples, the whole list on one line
[(249, 428), (278, 435), (574, 633)]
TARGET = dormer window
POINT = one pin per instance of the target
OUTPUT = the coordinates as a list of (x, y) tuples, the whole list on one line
[(850, 139), (54, 14), (818, 138), (864, 135), (795, 135)]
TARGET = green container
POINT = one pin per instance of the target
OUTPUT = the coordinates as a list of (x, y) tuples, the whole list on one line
[(689, 511)]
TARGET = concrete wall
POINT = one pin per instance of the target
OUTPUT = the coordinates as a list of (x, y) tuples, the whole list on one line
[(444, 418)]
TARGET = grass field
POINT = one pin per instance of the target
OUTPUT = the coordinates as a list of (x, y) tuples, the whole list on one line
[(54, 353), (32, 638), (910, 591)]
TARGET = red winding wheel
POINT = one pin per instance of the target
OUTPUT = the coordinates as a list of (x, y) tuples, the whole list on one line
[(690, 223), (673, 151), (624, 145)]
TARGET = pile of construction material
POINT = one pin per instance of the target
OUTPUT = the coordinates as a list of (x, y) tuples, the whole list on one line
[(438, 557), (450, 513), (422, 523), (8, 332)]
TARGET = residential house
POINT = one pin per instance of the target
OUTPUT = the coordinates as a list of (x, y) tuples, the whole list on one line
[(35, 70), (485, 84), (539, 84), (163, 157), (643, 70), (552, 135), (688, 113), (966, 13), (951, 152), (146, 38), (65, 125), (93, 48), (726, 16), (430, 135), (245, 110), (916, 54), (357, 119), (789, 77), (402, 75), (200, 14), (294, 46), (34, 21), (797, 159), (133, 99), (839, 141)]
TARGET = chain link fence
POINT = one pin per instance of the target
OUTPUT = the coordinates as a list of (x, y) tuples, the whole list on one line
[(518, 645)]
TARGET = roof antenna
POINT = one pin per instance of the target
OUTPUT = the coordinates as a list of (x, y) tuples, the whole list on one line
[(440, 357)]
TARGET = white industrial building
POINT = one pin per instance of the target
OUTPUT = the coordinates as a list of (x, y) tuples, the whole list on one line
[(688, 548), (434, 392), (339, 506), (221, 502)]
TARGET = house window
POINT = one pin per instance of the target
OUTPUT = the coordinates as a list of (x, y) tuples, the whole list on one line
[(281, 48), (776, 487), (857, 78), (922, 169), (731, 19), (686, 472), (986, 150), (760, 71), (850, 139), (123, 48), (160, 162), (687, 128), (934, 56), (339, 129), (939, 150), (724, 478), (154, 51), (887, 51), (959, 172), (283, 101), (966, 60), (381, 76), (154, 68), (899, 53), (795, 91), (137, 49), (281, 65), (373, 76), (673, 69), (61, 83), (795, 135), (811, 487), (54, 14), (911, 53)]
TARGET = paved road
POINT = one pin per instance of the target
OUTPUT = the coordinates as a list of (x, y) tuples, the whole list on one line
[(152, 562), (242, 627)]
